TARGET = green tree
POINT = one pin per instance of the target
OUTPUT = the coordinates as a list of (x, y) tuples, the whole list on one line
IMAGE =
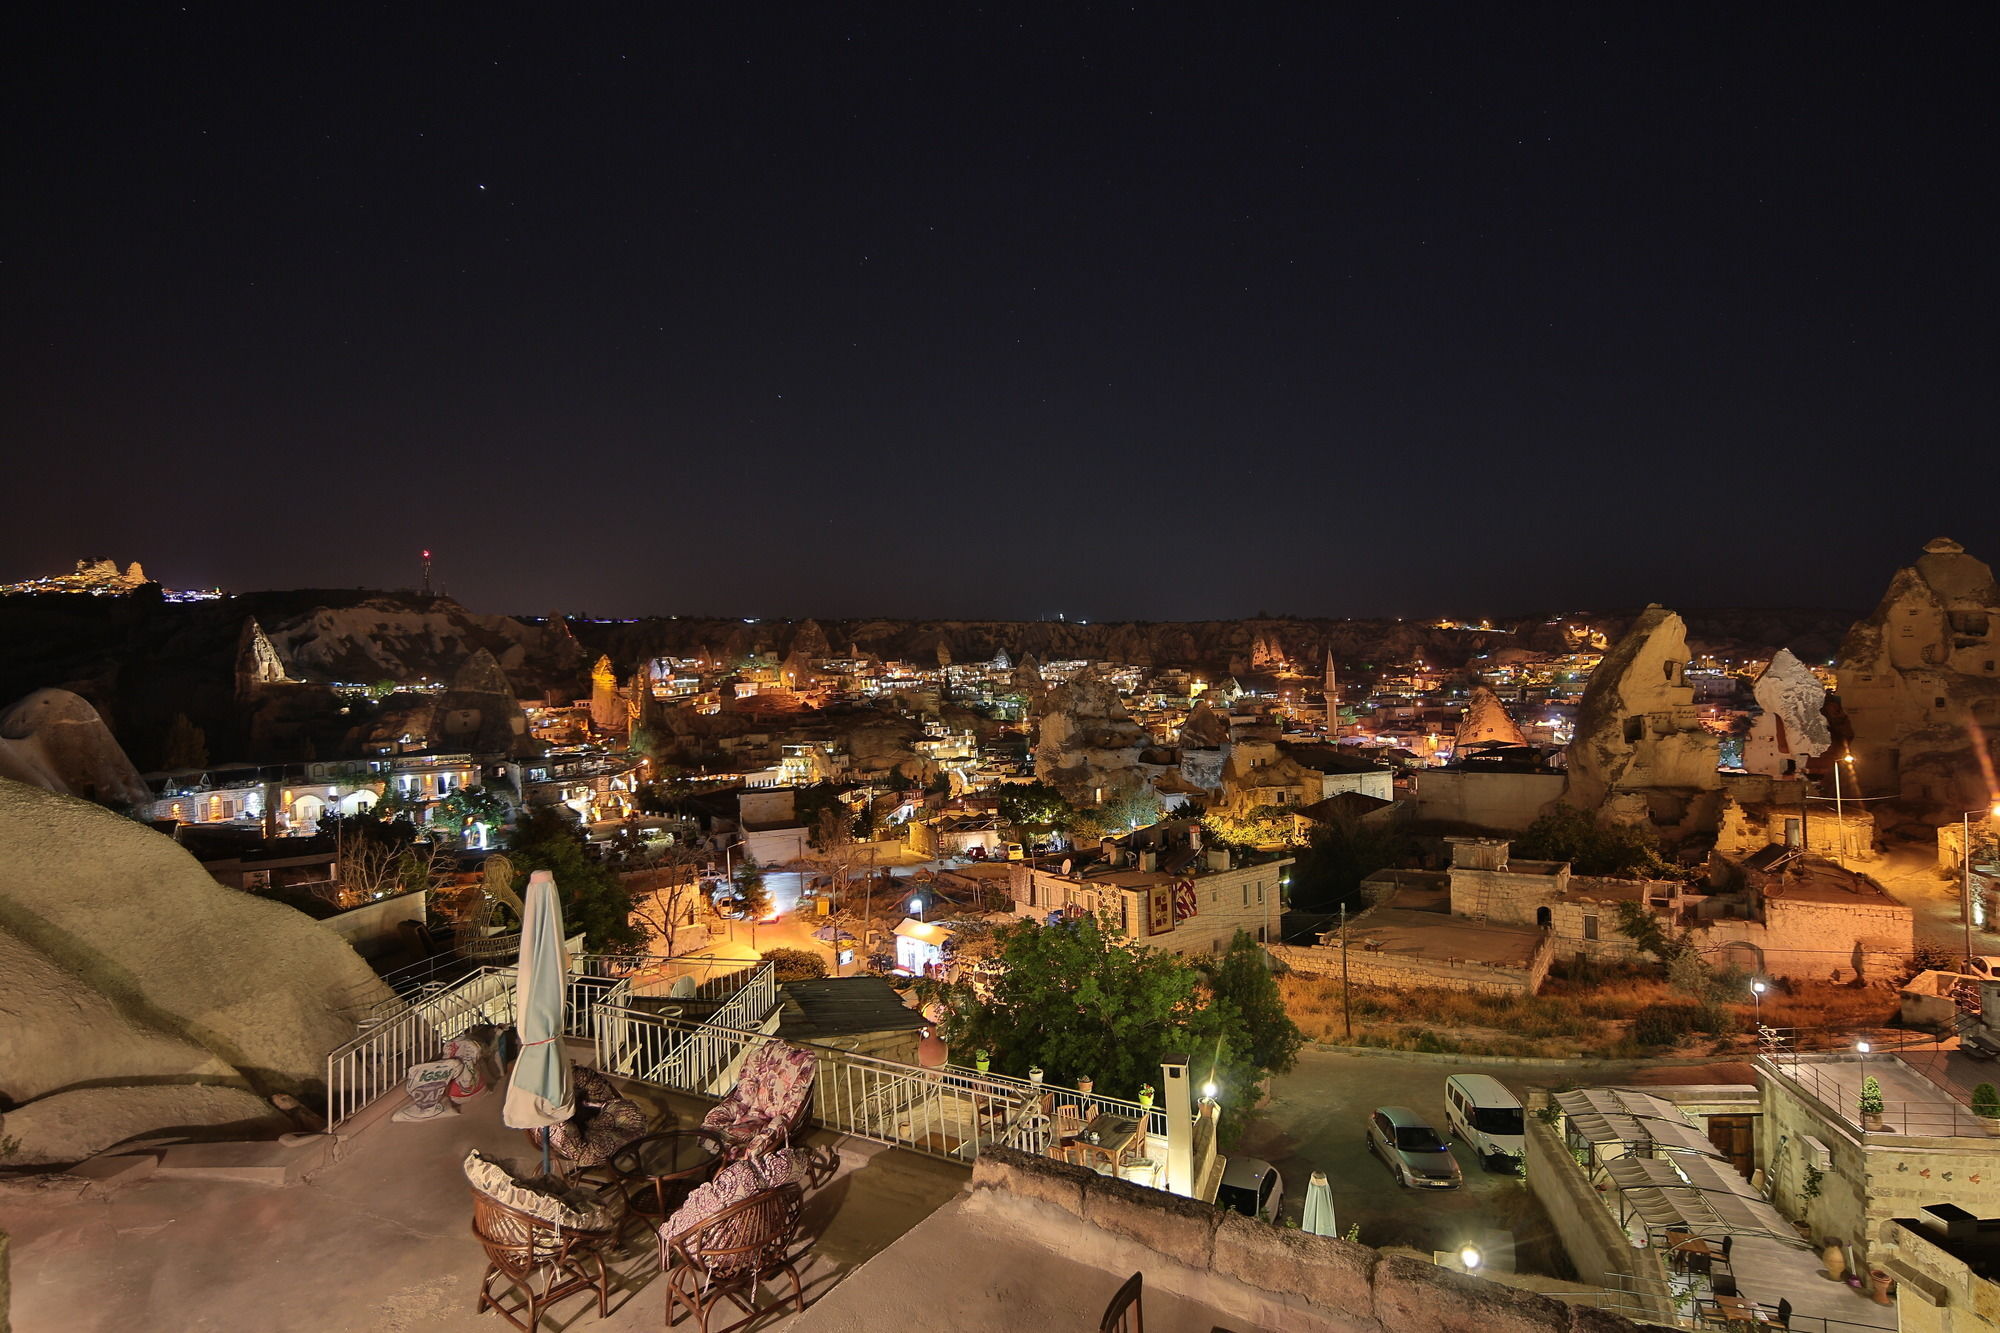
[(1242, 977), (186, 745), (750, 890), (1566, 833), (1077, 1000), (796, 964), (463, 808), (1035, 804), (1342, 853), (593, 900)]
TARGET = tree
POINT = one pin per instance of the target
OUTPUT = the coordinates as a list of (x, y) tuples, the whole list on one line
[(376, 858), (1343, 852), (667, 896), (1242, 976), (1566, 833), (796, 964), (593, 900), (186, 745), (467, 806), (1035, 804), (750, 890)]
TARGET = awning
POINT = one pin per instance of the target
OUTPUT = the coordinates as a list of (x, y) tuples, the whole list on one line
[(1700, 1195), (1639, 1121)]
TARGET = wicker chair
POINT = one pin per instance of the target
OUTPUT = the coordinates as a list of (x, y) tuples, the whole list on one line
[(540, 1260), (731, 1252), (769, 1102)]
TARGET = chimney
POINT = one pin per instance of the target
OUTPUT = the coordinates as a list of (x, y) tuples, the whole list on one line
[(1177, 1102), (1149, 860)]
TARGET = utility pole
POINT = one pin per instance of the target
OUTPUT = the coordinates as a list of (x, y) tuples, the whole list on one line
[(1346, 1007)]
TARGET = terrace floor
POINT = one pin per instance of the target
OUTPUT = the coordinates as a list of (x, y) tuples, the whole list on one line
[(381, 1242), (1920, 1089)]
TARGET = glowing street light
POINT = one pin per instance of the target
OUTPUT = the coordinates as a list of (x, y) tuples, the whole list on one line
[(1470, 1258), (1208, 1091)]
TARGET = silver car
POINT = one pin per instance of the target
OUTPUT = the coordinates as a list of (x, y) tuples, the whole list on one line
[(1251, 1187), (1414, 1152)]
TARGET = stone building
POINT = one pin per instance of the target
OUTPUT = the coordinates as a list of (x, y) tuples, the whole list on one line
[(1640, 754), (1920, 684), (1180, 898)]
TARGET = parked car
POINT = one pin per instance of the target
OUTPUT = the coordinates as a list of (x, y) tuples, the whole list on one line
[(1251, 1187), (1412, 1150), (1481, 1113)]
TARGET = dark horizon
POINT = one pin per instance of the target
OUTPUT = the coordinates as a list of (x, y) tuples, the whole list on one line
[(1152, 315)]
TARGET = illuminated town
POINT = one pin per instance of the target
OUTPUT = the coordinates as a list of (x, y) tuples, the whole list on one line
[(857, 668)]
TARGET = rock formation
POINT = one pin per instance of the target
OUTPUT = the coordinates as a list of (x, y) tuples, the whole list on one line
[(1087, 745), (138, 996), (1920, 683), (1792, 728), (1640, 754), (810, 641), (56, 741), (1485, 722), (1204, 743), (607, 709)]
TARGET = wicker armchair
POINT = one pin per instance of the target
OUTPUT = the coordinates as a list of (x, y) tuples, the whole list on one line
[(727, 1254), (769, 1102), (542, 1261)]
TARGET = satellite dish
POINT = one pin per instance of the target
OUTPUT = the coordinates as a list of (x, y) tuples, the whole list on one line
[(1065, 865)]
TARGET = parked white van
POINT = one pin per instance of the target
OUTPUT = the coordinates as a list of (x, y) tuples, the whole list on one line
[(1483, 1115)]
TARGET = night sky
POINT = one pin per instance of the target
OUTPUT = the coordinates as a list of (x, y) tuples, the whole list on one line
[(1120, 312)]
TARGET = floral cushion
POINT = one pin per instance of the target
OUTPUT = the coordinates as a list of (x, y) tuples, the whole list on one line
[(604, 1120), (539, 1197), (732, 1185), (757, 1115)]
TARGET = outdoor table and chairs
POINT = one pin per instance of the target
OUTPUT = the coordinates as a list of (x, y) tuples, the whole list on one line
[(1106, 1139)]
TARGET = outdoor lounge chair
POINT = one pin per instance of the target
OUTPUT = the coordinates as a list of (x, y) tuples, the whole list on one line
[(768, 1104), (728, 1253), (540, 1246), (604, 1121)]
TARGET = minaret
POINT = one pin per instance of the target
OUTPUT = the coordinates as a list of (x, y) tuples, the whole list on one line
[(1330, 687)]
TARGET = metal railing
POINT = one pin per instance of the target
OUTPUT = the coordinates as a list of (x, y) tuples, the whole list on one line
[(413, 1028), (951, 1113), (376, 1061)]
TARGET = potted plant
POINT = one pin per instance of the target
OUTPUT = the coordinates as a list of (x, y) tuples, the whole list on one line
[(1085, 1084), (1145, 1094), (1986, 1105), (982, 1060), (1871, 1103), (1035, 1074)]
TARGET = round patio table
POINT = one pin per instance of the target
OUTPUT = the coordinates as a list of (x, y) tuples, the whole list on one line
[(661, 1169)]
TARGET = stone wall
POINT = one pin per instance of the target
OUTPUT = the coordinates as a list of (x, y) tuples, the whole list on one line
[(374, 929), (1504, 802), (1287, 1279), (1591, 1236), (1867, 940), (1872, 1177), (1403, 971)]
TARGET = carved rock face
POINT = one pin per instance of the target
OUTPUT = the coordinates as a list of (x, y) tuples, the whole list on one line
[(1637, 728)]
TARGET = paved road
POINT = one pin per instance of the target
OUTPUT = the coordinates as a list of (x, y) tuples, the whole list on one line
[(1316, 1117)]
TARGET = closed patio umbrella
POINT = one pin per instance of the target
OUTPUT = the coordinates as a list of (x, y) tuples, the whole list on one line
[(1319, 1207), (538, 1091)]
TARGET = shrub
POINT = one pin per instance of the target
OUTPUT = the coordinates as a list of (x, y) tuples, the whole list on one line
[(1665, 1024), (1871, 1096), (795, 964), (1986, 1101)]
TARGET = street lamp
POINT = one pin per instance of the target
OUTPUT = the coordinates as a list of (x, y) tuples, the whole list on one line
[(1208, 1091), (1757, 989), (1470, 1258), (1839, 816)]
